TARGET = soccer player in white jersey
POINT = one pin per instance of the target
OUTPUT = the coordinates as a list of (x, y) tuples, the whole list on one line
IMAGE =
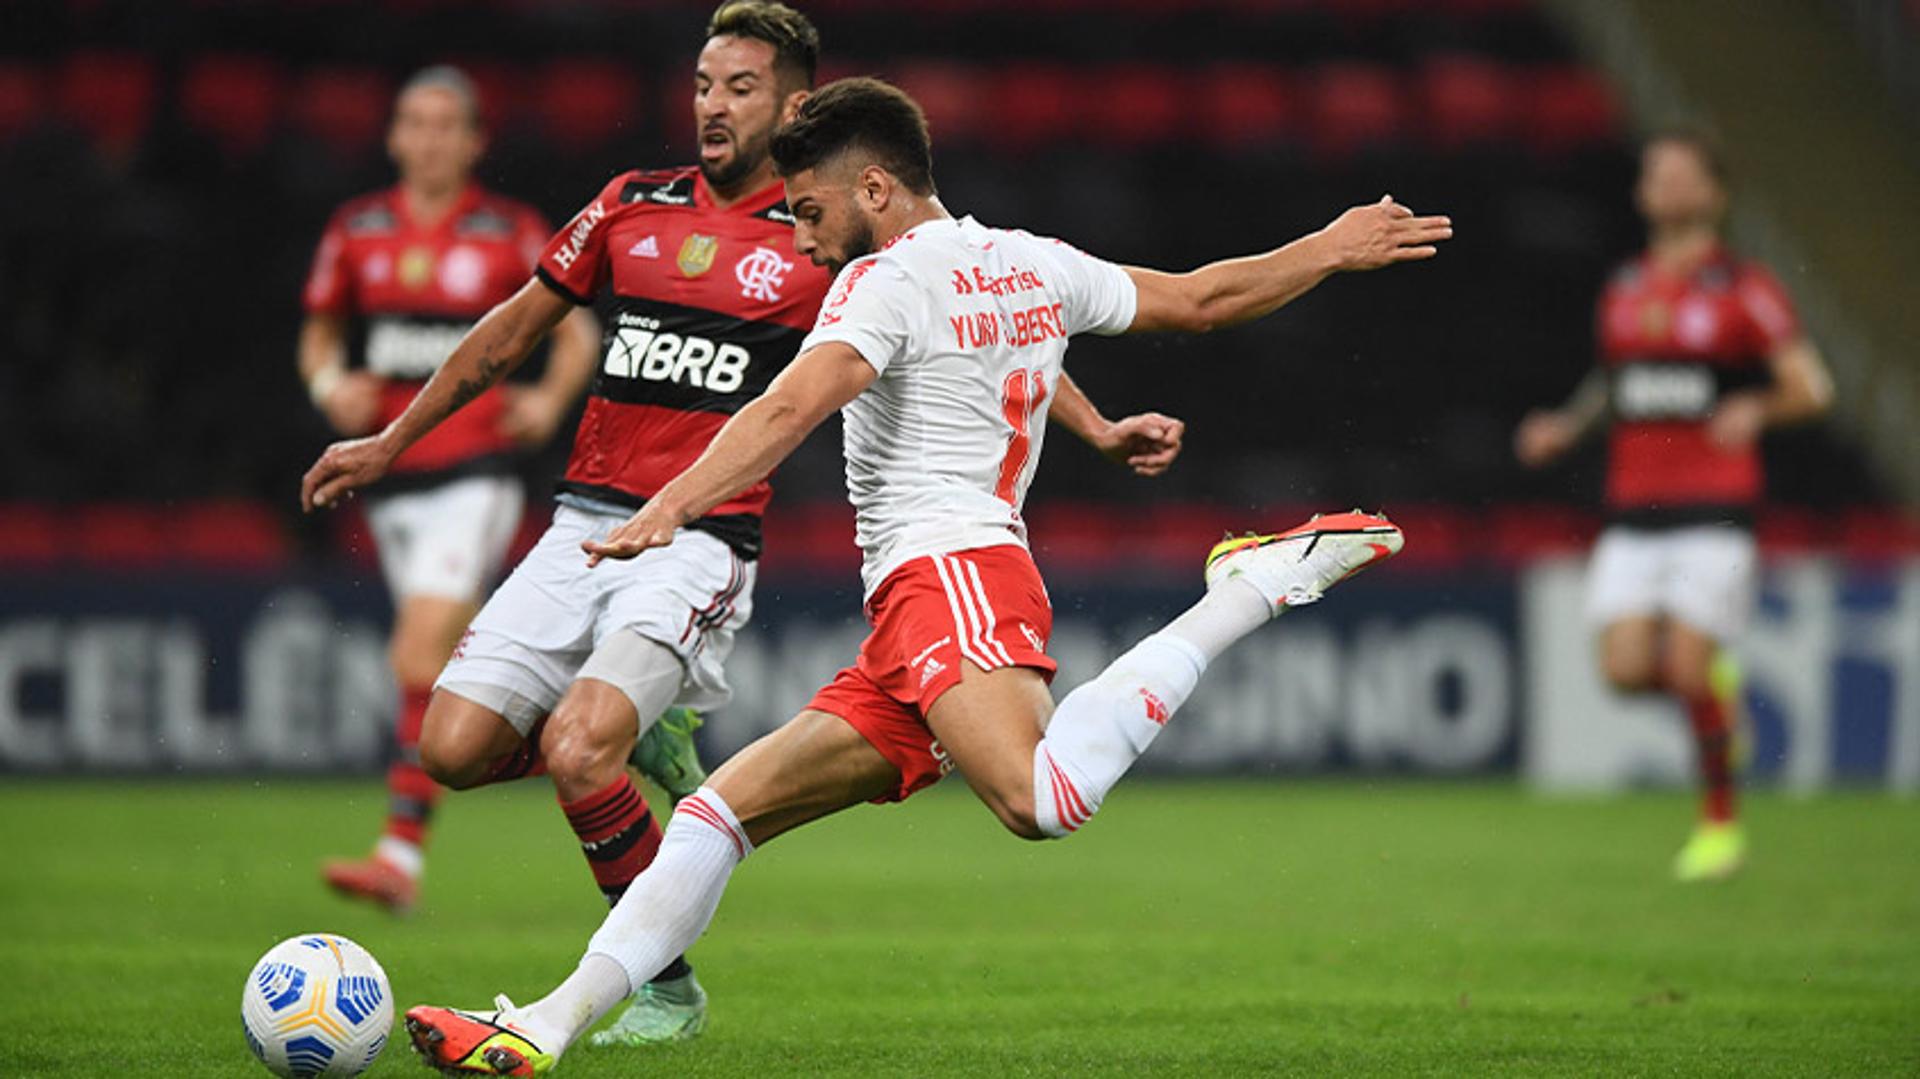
[(939, 343)]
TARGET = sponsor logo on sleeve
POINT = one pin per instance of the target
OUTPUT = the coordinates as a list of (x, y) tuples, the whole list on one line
[(565, 255)]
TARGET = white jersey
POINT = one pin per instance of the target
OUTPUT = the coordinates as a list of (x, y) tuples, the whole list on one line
[(967, 327)]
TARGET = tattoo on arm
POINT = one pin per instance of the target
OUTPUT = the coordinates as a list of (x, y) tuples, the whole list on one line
[(491, 368)]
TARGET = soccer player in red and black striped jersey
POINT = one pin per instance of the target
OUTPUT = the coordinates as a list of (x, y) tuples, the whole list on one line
[(709, 301), (400, 275), (1700, 352)]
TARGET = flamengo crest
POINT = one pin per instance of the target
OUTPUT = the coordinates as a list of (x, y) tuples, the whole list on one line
[(761, 274)]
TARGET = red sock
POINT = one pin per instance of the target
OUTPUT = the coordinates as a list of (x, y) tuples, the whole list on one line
[(617, 834), (1713, 734), (411, 793)]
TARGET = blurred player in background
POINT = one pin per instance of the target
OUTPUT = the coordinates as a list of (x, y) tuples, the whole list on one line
[(1700, 351), (400, 275), (941, 342), (708, 304)]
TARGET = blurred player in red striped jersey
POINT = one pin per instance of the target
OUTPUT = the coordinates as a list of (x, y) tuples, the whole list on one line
[(399, 276), (1700, 351)]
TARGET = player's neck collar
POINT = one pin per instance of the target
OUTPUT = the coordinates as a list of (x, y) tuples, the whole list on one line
[(752, 202)]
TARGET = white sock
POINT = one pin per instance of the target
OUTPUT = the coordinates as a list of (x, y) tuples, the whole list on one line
[(1103, 727), (665, 910), (1229, 611), (402, 855)]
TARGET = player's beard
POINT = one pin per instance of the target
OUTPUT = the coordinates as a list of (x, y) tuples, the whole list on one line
[(859, 244), (747, 156)]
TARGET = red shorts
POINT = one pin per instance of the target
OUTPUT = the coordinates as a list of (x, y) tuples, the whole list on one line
[(984, 606)]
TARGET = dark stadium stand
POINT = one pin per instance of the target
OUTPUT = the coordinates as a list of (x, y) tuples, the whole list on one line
[(169, 166)]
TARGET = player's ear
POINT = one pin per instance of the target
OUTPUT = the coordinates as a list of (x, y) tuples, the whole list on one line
[(790, 108), (875, 188)]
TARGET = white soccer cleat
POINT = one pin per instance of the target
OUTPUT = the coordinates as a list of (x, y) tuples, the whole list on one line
[(1295, 568)]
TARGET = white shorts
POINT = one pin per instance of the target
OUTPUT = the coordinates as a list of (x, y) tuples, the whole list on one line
[(1702, 575), (447, 541), (527, 645)]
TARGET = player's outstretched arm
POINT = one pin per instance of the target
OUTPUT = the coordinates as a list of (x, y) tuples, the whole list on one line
[(1233, 291), (496, 345), (752, 443), (1147, 442)]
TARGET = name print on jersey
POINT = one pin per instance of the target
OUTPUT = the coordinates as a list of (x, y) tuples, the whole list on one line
[(576, 240), (1018, 329)]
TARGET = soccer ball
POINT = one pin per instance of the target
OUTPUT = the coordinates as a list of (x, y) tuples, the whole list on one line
[(316, 1004)]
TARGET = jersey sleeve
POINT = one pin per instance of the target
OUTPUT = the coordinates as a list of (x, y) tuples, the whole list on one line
[(875, 307), (574, 262), (329, 288), (1769, 307), (1098, 296)]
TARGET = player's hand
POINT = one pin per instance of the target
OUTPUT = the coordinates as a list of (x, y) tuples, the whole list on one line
[(1542, 437), (1146, 443), (343, 468), (651, 527), (532, 415), (1383, 233), (1737, 423), (353, 408)]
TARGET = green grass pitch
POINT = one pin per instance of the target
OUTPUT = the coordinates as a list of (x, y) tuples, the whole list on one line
[(1223, 928)]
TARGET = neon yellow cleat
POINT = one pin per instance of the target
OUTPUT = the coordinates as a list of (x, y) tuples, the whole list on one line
[(1715, 851), (666, 753), (461, 1043)]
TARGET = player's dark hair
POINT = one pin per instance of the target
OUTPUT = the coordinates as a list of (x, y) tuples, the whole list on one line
[(796, 44), (1704, 143), (865, 116), (452, 79)]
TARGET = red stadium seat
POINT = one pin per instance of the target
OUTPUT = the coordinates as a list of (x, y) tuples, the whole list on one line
[(1521, 533), (952, 96), (1880, 535), (1031, 104), (32, 535), (1466, 102), (1134, 105), (502, 99), (1569, 109), (1352, 108), (234, 99), (1246, 105), (121, 536), (346, 108), (582, 104), (22, 99), (109, 95), (229, 535)]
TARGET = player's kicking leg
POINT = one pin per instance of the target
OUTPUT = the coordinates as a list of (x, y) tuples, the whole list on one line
[(1049, 785), (814, 766)]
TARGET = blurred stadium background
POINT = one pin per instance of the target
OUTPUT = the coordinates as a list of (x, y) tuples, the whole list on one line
[(167, 167)]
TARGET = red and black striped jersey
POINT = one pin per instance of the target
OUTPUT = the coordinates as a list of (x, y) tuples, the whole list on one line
[(410, 291), (1674, 345), (706, 304)]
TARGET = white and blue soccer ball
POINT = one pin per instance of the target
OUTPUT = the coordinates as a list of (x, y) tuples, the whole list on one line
[(317, 1004)]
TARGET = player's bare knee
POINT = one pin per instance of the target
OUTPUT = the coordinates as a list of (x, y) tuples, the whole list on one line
[(1685, 678), (580, 758), (1630, 674), (449, 763), (1015, 810)]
